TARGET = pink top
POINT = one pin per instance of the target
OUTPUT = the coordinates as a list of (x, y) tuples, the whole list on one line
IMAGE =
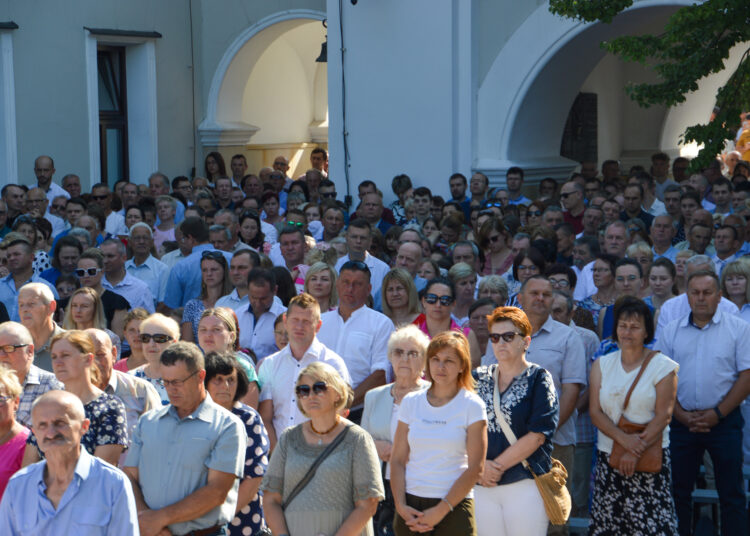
[(121, 365), (163, 236), (421, 323), (11, 456)]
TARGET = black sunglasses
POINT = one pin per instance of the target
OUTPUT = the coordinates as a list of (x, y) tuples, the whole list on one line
[(159, 338), (534, 213), (99, 197), (508, 336), (303, 391), (81, 272), (329, 195), (432, 299), (215, 255)]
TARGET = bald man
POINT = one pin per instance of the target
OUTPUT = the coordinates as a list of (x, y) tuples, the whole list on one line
[(70, 488), (44, 168)]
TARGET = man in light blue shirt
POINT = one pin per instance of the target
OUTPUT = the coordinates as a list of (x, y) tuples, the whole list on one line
[(242, 262), (711, 349), (70, 491), (20, 263), (184, 282), (145, 266), (186, 458)]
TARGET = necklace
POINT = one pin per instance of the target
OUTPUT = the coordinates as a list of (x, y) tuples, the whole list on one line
[(324, 432)]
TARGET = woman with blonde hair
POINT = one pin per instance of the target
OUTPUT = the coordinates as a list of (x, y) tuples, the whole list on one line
[(400, 301), (350, 474), (439, 445), (734, 285), (72, 354), (13, 435), (406, 352), (85, 310), (320, 283), (157, 332), (218, 331), (215, 283)]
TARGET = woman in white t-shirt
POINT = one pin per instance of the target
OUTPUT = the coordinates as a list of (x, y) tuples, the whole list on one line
[(627, 501), (440, 445)]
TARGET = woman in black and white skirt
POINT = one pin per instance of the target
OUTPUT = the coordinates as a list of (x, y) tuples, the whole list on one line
[(627, 501)]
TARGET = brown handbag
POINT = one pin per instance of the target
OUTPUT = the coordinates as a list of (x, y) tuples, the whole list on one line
[(650, 460)]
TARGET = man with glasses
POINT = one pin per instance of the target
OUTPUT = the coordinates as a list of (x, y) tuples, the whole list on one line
[(572, 199), (145, 266), (20, 265), (559, 349), (327, 190), (17, 353), (115, 223), (37, 202), (278, 372), (186, 458), (184, 282), (358, 241), (36, 307), (357, 333)]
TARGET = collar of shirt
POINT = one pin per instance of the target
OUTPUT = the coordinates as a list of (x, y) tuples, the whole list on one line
[(688, 320), (148, 262), (111, 387), (202, 412), (352, 315), (277, 307), (548, 326), (32, 376), (82, 470), (55, 331), (314, 351)]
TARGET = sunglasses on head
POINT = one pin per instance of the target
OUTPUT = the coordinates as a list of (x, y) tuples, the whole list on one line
[(81, 272), (295, 223), (211, 255), (303, 391), (508, 336), (159, 338), (432, 299)]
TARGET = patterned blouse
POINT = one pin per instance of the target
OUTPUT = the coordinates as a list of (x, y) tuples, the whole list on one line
[(108, 426), (529, 404), (156, 382), (256, 461), (192, 313)]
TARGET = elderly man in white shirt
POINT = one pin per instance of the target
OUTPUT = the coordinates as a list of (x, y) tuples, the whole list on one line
[(358, 333), (257, 318), (117, 279), (145, 266), (278, 372), (678, 307), (358, 241)]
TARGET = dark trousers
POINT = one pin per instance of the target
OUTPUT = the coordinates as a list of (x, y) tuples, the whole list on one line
[(724, 445), (459, 522)]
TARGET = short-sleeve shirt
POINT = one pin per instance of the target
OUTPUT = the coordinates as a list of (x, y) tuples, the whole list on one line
[(529, 404), (614, 387), (437, 441), (173, 456)]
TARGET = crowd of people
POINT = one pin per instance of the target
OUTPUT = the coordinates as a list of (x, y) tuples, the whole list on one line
[(246, 354)]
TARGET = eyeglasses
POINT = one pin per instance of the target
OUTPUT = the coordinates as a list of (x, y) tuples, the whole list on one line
[(432, 299), (10, 348), (528, 268), (295, 223), (177, 383), (99, 197), (508, 336), (159, 338), (59, 207), (400, 353), (5, 399), (303, 391), (81, 272), (559, 283)]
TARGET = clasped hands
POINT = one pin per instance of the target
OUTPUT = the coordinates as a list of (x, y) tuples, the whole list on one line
[(423, 521), (700, 421), (635, 445)]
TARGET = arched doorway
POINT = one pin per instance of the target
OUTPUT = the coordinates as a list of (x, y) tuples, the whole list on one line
[(269, 96)]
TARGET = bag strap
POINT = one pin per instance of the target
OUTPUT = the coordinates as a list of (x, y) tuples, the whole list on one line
[(504, 426), (646, 361), (314, 467)]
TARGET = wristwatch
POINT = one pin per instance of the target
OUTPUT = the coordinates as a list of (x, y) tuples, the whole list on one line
[(718, 413)]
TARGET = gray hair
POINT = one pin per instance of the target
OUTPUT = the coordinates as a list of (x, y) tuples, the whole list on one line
[(117, 243), (700, 260), (408, 333), (17, 330), (41, 290), (568, 299), (220, 229), (229, 211), (141, 225), (76, 232)]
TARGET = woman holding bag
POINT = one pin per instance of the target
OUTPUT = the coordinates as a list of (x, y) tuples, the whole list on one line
[(522, 396), (632, 393)]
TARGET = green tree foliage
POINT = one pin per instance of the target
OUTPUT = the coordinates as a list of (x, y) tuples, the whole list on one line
[(694, 44)]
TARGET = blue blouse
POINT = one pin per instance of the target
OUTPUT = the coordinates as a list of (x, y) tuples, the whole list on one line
[(529, 404)]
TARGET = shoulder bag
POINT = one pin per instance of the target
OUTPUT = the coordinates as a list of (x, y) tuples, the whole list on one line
[(650, 460), (265, 531), (551, 485)]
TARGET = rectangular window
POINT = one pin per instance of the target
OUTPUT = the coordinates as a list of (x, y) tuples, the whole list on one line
[(113, 114)]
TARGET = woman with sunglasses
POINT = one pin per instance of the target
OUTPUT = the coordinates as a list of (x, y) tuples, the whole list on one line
[(215, 283), (507, 499), (493, 240), (90, 273), (72, 354), (343, 494), (439, 445), (406, 351), (534, 213), (437, 299), (227, 384), (157, 332), (218, 332)]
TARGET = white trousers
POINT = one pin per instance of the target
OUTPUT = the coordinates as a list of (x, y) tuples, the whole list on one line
[(510, 510)]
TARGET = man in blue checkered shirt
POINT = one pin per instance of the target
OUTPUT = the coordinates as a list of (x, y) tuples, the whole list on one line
[(17, 352)]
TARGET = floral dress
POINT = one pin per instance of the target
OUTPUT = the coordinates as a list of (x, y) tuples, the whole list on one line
[(156, 382), (250, 520), (192, 313), (109, 425)]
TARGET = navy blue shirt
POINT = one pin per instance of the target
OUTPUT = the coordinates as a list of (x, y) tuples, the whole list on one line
[(529, 404)]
